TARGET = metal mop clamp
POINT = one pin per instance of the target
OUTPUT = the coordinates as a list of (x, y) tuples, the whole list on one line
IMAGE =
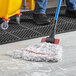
[(51, 38)]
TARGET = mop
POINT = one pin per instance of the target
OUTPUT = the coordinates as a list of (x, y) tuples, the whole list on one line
[(47, 50)]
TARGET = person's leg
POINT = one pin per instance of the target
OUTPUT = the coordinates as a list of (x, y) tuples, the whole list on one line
[(71, 7), (39, 12), (40, 6), (71, 4)]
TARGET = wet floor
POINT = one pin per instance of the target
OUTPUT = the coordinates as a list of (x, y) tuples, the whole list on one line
[(18, 67)]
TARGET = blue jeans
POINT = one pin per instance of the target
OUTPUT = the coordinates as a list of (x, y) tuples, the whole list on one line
[(40, 6), (71, 4)]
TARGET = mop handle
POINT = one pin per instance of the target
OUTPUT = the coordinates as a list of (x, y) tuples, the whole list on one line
[(53, 29), (58, 9)]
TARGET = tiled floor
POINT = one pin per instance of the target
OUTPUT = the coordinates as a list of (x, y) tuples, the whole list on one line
[(53, 3)]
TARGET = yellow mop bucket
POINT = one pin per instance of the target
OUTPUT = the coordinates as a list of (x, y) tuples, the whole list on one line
[(9, 8), (31, 4)]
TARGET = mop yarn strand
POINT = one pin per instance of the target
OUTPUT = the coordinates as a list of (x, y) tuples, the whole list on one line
[(39, 52)]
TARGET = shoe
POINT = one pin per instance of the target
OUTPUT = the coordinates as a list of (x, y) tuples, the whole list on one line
[(70, 13), (41, 19)]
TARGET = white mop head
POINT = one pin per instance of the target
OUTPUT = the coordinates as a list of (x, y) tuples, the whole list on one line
[(39, 52)]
